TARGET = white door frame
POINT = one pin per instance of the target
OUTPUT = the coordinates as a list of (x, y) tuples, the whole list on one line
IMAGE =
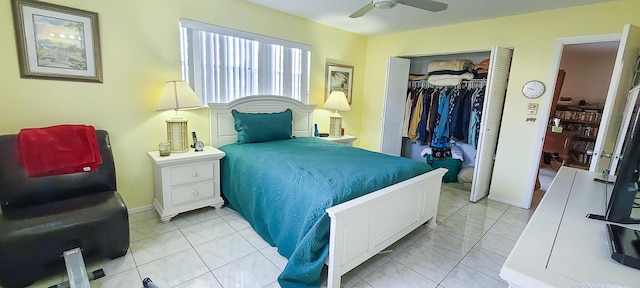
[(546, 104)]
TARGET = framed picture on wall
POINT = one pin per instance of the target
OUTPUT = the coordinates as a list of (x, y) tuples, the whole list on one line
[(339, 77), (56, 42)]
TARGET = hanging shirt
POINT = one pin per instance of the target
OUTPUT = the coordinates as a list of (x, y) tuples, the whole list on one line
[(433, 113), (453, 101), (422, 126), (441, 132), (476, 116), (460, 114), (415, 117)]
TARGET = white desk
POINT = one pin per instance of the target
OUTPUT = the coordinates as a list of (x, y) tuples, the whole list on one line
[(560, 246)]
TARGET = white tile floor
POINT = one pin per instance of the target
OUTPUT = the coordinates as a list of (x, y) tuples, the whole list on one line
[(208, 248)]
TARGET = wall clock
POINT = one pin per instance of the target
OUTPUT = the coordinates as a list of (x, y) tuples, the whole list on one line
[(533, 89)]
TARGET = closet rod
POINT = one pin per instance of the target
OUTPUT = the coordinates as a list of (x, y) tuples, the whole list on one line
[(473, 83)]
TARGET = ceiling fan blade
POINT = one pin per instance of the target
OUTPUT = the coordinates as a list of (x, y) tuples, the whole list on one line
[(433, 6), (362, 11)]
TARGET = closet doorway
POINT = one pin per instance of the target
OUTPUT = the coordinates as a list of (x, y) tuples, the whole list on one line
[(620, 83), (394, 108), (578, 101)]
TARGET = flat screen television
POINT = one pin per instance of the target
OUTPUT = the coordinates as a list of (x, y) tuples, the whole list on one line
[(624, 243), (626, 186)]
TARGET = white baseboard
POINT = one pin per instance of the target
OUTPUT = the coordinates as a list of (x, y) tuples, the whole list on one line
[(140, 209)]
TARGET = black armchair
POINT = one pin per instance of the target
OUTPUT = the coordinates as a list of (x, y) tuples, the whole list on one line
[(44, 216)]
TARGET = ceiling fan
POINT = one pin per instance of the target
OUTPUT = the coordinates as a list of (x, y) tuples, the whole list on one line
[(428, 5)]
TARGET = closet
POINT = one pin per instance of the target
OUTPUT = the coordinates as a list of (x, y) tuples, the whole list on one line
[(394, 108)]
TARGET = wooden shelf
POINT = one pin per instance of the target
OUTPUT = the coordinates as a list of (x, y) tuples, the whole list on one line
[(580, 121), (585, 137), (579, 108), (583, 122)]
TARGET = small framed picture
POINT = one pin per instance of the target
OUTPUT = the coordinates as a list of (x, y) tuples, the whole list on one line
[(339, 77), (56, 42)]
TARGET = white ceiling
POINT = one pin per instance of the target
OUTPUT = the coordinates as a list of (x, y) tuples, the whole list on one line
[(402, 18)]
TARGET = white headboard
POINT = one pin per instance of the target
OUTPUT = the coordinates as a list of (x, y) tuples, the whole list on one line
[(223, 132)]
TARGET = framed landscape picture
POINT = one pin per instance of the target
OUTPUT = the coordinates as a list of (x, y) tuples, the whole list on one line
[(56, 42), (339, 77)]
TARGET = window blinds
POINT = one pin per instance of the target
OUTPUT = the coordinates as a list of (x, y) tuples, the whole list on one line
[(222, 64)]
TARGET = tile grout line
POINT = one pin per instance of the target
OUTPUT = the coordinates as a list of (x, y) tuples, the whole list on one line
[(198, 254)]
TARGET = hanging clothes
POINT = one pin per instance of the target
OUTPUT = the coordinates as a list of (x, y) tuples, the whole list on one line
[(440, 139), (433, 113), (437, 115), (416, 116), (460, 115), (423, 132), (476, 116)]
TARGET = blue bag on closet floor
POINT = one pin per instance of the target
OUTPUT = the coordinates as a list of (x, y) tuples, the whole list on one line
[(453, 165)]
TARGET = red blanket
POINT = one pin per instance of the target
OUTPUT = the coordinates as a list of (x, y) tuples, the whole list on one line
[(61, 149)]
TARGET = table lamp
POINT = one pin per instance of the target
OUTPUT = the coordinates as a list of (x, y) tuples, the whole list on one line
[(177, 95), (336, 101)]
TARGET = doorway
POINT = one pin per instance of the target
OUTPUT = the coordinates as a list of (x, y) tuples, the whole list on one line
[(610, 124), (578, 100)]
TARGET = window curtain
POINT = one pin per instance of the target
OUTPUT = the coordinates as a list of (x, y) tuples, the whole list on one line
[(221, 67)]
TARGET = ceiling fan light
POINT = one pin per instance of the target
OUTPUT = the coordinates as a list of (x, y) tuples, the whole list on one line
[(385, 4)]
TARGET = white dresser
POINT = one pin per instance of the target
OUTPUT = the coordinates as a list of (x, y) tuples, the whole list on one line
[(560, 246), (186, 181), (344, 139)]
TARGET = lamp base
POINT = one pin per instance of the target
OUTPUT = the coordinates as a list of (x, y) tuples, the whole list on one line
[(177, 135), (335, 125)]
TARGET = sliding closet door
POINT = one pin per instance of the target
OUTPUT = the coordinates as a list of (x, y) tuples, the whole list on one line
[(490, 122), (395, 95)]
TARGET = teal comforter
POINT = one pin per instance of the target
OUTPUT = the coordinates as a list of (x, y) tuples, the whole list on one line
[(283, 188)]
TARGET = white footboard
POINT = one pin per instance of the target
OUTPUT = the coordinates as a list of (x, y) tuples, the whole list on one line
[(364, 226)]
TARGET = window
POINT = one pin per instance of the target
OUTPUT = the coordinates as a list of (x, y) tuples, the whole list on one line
[(223, 64)]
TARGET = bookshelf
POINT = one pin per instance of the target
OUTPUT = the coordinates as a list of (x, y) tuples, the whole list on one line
[(583, 123)]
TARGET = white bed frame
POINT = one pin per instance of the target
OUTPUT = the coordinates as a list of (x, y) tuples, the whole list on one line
[(364, 226)]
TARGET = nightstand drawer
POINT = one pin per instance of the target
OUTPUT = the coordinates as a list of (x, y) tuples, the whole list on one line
[(191, 192), (191, 173)]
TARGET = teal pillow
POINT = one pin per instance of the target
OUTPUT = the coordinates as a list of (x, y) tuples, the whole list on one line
[(263, 127)]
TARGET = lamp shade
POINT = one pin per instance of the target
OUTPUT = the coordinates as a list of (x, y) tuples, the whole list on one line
[(337, 101), (177, 95)]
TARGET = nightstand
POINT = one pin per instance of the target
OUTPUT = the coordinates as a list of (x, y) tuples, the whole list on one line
[(345, 139), (186, 181)]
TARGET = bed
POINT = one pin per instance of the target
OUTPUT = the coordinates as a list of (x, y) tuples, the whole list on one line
[(355, 230)]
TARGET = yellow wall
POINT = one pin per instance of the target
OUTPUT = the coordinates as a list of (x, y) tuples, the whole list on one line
[(533, 38), (140, 50)]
